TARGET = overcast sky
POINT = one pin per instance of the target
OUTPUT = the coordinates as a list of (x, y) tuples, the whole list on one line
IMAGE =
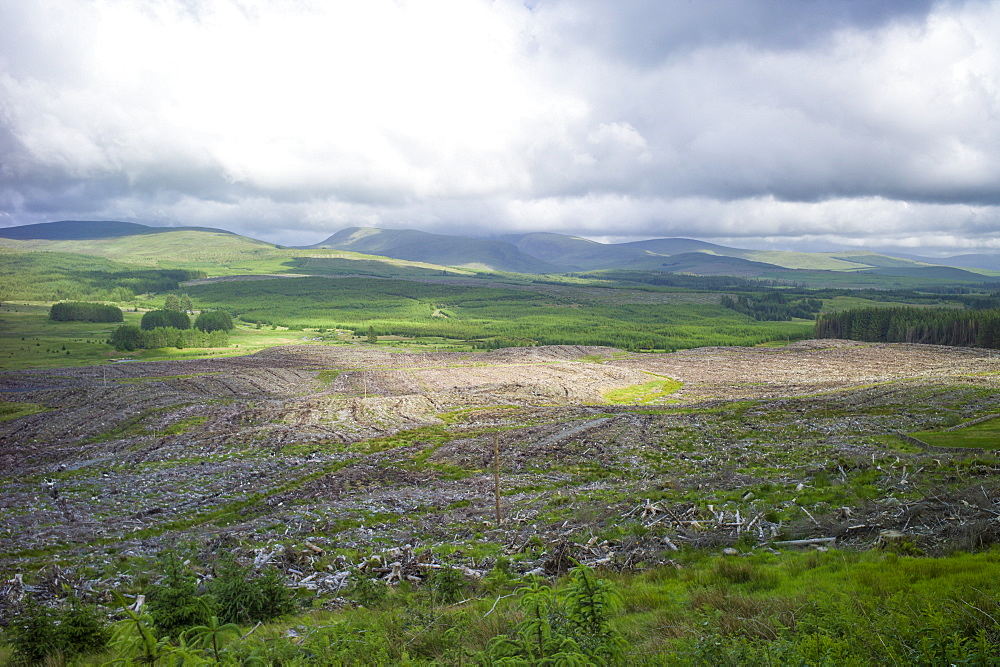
[(757, 123)]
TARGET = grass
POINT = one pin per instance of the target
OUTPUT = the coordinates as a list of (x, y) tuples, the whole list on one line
[(14, 410), (488, 316), (641, 394), (985, 435), (764, 608), (29, 339)]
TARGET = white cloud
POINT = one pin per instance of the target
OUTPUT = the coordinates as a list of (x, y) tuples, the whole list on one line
[(637, 119)]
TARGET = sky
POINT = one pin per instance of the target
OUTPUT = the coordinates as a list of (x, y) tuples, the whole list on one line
[(785, 124)]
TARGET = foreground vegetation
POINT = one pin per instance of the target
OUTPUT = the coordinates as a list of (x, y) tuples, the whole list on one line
[(758, 608)]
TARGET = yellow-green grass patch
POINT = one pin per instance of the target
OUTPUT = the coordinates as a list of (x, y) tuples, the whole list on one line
[(640, 394), (985, 435)]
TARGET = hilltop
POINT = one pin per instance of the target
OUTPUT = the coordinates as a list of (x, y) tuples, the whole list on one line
[(75, 230)]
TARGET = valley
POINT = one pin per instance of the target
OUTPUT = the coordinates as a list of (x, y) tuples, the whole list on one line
[(418, 452)]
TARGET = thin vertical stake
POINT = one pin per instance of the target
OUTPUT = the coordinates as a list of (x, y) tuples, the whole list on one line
[(496, 475)]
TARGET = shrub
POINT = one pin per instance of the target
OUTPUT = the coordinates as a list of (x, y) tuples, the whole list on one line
[(40, 631), (174, 602), (365, 591), (446, 585), (241, 596), (575, 629)]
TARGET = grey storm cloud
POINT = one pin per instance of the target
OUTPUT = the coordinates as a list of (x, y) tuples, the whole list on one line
[(848, 123), (647, 33)]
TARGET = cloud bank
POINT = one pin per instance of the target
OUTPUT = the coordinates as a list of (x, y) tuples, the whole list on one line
[(757, 122)]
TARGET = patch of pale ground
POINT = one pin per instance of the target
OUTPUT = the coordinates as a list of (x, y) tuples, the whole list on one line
[(808, 367)]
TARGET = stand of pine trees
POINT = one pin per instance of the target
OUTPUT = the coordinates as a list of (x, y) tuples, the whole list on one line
[(935, 326), (80, 311)]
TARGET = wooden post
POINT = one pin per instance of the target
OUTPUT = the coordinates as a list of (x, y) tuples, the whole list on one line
[(496, 475)]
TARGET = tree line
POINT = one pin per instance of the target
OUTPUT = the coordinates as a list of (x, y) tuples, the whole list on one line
[(171, 328), (128, 337), (935, 326)]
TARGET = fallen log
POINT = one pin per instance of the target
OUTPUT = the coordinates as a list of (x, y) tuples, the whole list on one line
[(805, 543)]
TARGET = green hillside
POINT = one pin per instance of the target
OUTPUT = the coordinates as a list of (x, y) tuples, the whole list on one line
[(344, 263), (491, 316), (119, 246), (813, 261), (52, 276)]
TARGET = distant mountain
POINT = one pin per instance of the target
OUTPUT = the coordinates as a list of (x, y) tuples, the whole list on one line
[(79, 230), (447, 250), (704, 264), (941, 273), (980, 261), (534, 253), (544, 252), (572, 253)]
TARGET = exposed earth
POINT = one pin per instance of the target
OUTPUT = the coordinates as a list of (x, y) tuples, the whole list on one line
[(319, 450)]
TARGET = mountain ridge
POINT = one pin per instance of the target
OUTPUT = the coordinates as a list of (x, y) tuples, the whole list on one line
[(444, 249), (80, 230), (528, 253)]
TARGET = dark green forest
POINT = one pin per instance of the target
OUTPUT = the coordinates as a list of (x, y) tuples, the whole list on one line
[(772, 306), (214, 320), (936, 326), (82, 311), (165, 318)]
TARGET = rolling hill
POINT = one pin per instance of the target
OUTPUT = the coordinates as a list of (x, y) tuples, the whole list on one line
[(388, 252), (76, 230), (444, 249), (977, 261), (572, 253)]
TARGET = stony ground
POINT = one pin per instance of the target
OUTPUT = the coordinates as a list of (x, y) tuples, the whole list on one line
[(312, 451)]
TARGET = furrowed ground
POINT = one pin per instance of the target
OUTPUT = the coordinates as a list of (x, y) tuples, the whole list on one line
[(359, 449)]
